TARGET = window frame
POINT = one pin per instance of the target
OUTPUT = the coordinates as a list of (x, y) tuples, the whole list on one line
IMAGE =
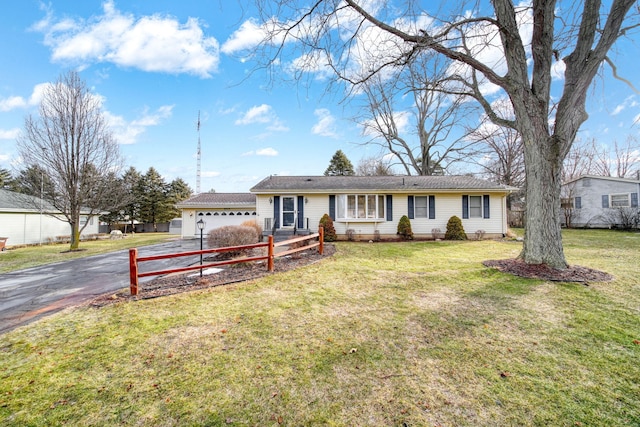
[(417, 208), (354, 207), (480, 207), (626, 195)]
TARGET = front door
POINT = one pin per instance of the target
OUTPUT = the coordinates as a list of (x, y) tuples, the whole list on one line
[(288, 211)]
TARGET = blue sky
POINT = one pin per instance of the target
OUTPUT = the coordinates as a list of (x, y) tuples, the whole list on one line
[(156, 64)]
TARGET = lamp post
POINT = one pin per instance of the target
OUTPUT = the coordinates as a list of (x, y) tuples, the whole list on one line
[(200, 225)]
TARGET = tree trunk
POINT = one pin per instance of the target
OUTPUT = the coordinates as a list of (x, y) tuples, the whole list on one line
[(543, 237), (75, 236)]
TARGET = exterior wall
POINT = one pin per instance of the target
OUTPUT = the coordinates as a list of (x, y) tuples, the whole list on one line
[(447, 205), (590, 190), (212, 221), (25, 228)]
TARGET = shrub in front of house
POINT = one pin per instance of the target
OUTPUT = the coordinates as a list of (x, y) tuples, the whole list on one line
[(455, 230), (329, 230), (232, 235), (404, 228), (253, 224)]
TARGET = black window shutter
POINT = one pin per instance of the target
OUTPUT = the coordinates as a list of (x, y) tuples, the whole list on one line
[(332, 207), (634, 200), (487, 211), (465, 207), (300, 212), (432, 207), (578, 202), (605, 200), (410, 200), (389, 207), (276, 210)]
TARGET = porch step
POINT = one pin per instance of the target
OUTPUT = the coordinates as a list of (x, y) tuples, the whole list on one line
[(285, 234)]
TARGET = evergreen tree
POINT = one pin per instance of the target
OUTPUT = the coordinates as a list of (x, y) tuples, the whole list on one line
[(33, 181), (132, 187), (339, 165), (155, 203), (5, 178), (179, 190)]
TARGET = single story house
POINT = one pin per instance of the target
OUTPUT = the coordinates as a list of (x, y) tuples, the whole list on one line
[(600, 201), (369, 207), (30, 220), (216, 210)]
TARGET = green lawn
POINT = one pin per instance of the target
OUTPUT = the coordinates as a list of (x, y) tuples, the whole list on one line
[(381, 334), (32, 256)]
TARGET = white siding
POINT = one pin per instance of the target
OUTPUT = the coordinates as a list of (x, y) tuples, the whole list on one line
[(591, 190), (33, 228), (447, 205)]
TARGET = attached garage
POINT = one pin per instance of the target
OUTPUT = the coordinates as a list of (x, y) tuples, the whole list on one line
[(216, 210)]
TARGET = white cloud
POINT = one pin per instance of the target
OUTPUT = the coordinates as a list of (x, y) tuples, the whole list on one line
[(155, 118), (257, 114), (151, 43), (209, 174), (4, 157), (557, 70), (269, 152), (326, 125), (9, 134), (127, 133), (262, 114), (14, 102), (629, 102), (248, 36)]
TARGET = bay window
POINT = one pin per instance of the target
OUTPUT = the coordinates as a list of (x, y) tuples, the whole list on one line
[(360, 206)]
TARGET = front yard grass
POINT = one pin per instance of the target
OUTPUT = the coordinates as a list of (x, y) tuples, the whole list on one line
[(32, 256), (393, 334)]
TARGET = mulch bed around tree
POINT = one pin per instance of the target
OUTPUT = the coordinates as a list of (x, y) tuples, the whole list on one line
[(574, 273), (175, 284)]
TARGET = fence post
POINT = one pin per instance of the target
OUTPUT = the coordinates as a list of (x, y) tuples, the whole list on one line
[(270, 254), (133, 271), (321, 238)]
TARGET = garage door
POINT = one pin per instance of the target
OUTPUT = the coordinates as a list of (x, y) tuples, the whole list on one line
[(217, 219)]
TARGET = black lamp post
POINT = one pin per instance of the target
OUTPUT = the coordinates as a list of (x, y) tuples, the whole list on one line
[(200, 225)]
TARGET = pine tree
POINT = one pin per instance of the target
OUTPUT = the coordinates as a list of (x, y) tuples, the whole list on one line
[(339, 165), (5, 178)]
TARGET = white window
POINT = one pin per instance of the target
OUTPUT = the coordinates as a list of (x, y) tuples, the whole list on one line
[(360, 206), (421, 207), (620, 201), (475, 206)]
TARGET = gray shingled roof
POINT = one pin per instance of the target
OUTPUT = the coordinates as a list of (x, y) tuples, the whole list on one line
[(374, 183), (11, 201), (219, 199)]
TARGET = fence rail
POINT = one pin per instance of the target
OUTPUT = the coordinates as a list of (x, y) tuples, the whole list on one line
[(135, 260)]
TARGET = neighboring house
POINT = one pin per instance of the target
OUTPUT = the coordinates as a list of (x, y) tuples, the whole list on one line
[(600, 202), (369, 207), (28, 220), (216, 210)]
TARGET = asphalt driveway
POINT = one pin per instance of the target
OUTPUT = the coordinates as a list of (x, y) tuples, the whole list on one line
[(29, 294)]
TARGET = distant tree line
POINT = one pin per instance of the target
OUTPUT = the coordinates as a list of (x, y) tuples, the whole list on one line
[(136, 197), (148, 198)]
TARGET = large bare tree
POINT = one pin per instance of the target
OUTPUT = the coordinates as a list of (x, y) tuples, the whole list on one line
[(502, 159), (413, 117), (70, 141), (495, 46)]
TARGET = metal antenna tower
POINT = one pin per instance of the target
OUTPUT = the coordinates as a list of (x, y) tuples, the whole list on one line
[(199, 156)]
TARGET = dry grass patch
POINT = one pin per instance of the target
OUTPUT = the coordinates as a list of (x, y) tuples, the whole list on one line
[(372, 336)]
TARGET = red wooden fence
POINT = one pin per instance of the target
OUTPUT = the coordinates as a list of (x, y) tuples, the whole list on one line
[(134, 260)]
